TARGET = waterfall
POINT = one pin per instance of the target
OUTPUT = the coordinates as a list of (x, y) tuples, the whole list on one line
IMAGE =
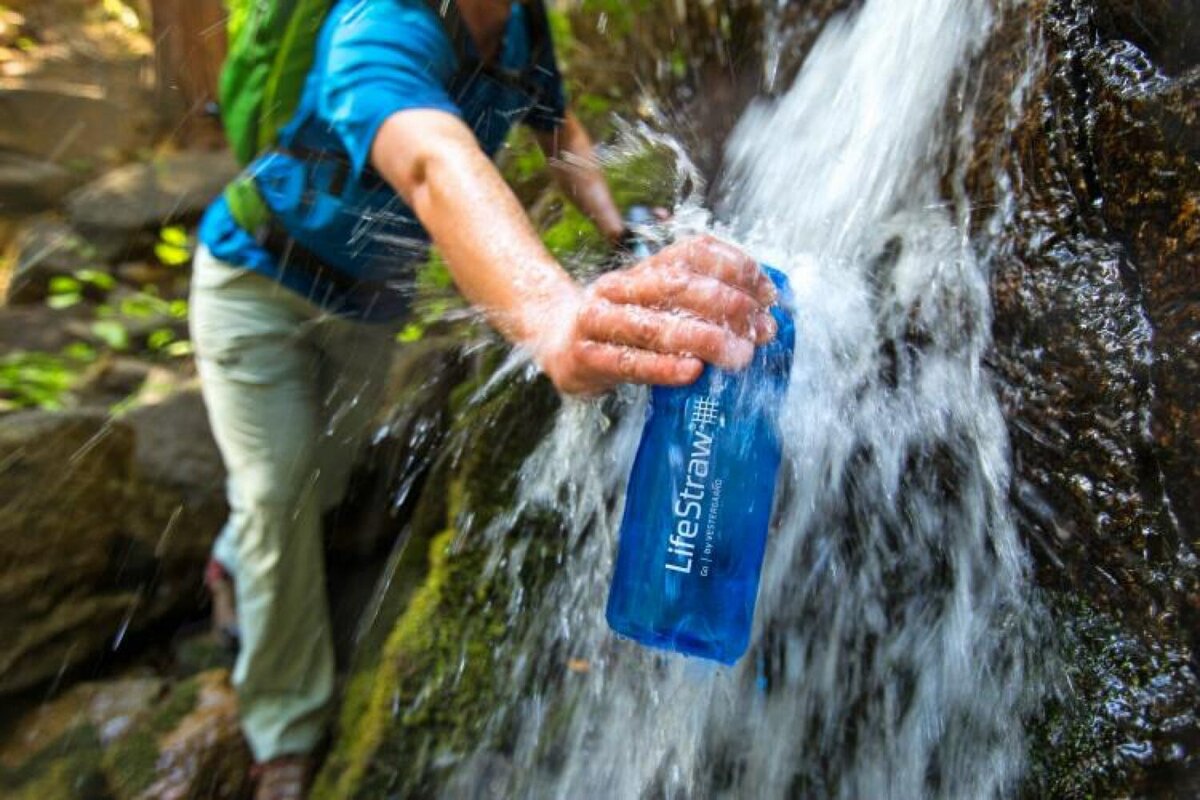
[(894, 650)]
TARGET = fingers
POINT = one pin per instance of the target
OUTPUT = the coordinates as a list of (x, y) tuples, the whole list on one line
[(673, 334), (722, 261), (696, 302), (674, 288), (609, 364)]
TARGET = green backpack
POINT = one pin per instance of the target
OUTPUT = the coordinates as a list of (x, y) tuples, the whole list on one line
[(271, 47)]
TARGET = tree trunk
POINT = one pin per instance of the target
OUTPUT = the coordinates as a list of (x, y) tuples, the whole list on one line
[(189, 38)]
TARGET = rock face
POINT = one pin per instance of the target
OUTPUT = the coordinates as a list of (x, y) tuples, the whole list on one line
[(61, 121), (440, 635), (1097, 356), (105, 529), (171, 188)]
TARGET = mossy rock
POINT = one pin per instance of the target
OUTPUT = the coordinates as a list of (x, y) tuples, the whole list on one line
[(131, 762), (425, 701), (68, 769)]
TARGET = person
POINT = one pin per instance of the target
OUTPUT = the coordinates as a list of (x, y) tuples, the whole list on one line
[(390, 147)]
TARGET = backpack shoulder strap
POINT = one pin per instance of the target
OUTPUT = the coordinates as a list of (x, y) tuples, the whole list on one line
[(538, 22)]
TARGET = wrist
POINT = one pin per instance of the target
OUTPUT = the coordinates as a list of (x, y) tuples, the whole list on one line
[(547, 321)]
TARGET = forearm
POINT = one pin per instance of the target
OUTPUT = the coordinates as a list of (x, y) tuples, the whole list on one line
[(575, 168), (655, 322), (496, 258)]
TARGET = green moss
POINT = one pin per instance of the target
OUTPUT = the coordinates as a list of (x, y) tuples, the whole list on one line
[(131, 761), (67, 769), (426, 699)]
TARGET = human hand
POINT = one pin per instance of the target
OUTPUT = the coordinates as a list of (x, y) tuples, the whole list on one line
[(658, 321)]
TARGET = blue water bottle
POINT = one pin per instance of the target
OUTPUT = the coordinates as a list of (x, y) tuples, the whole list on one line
[(699, 502)]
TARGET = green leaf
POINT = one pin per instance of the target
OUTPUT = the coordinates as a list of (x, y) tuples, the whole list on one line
[(172, 255), (412, 333), (112, 333), (34, 380), (98, 278), (178, 309), (64, 300), (174, 234), (80, 351), (64, 284), (179, 349), (160, 338)]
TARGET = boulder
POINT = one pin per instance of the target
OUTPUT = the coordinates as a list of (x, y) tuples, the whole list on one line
[(175, 187), (63, 122), (435, 648), (106, 529), (64, 488), (109, 708), (1147, 161), (177, 497), (30, 184)]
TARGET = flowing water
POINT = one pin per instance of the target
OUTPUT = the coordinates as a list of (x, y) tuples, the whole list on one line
[(895, 652)]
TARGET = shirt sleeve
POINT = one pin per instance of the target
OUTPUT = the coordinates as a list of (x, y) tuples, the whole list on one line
[(551, 109), (384, 56)]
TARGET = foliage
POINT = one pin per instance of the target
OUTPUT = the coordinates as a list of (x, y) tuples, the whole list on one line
[(41, 380), (174, 246), (67, 290)]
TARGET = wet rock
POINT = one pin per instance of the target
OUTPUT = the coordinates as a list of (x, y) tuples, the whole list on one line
[(61, 121), (441, 639), (172, 188), (1147, 161), (1168, 31), (29, 185), (1094, 305), (411, 427)]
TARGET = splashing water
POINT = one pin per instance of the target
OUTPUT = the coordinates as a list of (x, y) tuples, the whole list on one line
[(896, 627)]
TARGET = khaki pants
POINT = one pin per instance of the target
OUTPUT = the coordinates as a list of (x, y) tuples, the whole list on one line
[(290, 392)]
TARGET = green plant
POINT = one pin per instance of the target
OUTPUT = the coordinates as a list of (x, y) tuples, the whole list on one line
[(174, 246), (65, 291), (41, 380)]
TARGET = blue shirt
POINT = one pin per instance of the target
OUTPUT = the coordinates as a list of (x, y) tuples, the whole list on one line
[(373, 59)]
